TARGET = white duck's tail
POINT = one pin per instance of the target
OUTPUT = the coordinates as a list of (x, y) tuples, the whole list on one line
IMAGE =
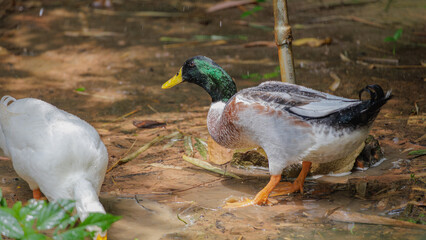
[(4, 102), (4, 118)]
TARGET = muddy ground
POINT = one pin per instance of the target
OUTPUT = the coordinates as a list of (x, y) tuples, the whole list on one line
[(100, 64)]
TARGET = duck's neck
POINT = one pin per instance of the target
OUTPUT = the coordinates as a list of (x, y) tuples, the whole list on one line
[(219, 85), (87, 200)]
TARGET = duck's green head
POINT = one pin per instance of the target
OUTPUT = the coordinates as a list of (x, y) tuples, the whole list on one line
[(207, 74)]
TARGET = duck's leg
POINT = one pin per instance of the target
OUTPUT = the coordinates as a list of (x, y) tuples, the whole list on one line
[(297, 185), (261, 198), (37, 194)]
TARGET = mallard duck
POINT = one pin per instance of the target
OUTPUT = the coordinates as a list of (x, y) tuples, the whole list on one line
[(55, 152), (290, 122)]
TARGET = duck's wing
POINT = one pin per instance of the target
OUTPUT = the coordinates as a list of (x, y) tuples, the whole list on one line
[(296, 99)]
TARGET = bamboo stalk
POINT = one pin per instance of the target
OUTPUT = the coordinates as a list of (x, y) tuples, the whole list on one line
[(283, 38)]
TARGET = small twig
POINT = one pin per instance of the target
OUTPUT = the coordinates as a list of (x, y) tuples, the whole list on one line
[(136, 13), (198, 185), (372, 66), (153, 109), (379, 60), (126, 115), (143, 149), (364, 21), (115, 164), (377, 49), (180, 219), (208, 166), (350, 18)]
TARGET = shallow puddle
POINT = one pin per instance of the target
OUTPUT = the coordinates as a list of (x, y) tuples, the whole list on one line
[(142, 218)]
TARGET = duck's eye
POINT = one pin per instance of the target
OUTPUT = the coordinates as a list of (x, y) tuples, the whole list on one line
[(191, 64)]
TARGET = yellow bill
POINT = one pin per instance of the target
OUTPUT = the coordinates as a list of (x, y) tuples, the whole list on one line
[(175, 80)]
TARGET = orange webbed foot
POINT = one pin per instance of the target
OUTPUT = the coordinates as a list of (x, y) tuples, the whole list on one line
[(287, 188), (37, 195), (261, 198)]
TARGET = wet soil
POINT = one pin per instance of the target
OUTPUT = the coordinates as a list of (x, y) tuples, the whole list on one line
[(48, 49)]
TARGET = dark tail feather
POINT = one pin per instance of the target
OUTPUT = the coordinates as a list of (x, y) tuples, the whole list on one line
[(372, 106)]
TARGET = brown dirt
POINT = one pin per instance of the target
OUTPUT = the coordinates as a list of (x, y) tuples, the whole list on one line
[(117, 56)]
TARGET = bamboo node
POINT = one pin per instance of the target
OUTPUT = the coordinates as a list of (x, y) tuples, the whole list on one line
[(283, 35)]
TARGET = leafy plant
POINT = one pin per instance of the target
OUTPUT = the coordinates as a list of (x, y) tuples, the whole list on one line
[(39, 220), (253, 10), (394, 39), (80, 89), (258, 76), (420, 152)]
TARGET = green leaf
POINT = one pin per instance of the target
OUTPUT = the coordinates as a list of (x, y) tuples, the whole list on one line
[(270, 75), (389, 39), (16, 208), (80, 89), (250, 12), (35, 207), (397, 34), (101, 220), (70, 221), (252, 76), (187, 142), (3, 202), (28, 227), (50, 216), (418, 152), (9, 225), (78, 233), (35, 236), (66, 204), (201, 145)]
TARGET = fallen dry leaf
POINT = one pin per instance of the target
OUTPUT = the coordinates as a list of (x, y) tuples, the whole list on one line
[(228, 4), (260, 44), (218, 154), (148, 124), (336, 82), (312, 42), (346, 216), (419, 120)]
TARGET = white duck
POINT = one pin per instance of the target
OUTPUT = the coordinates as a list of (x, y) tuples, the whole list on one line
[(55, 152)]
